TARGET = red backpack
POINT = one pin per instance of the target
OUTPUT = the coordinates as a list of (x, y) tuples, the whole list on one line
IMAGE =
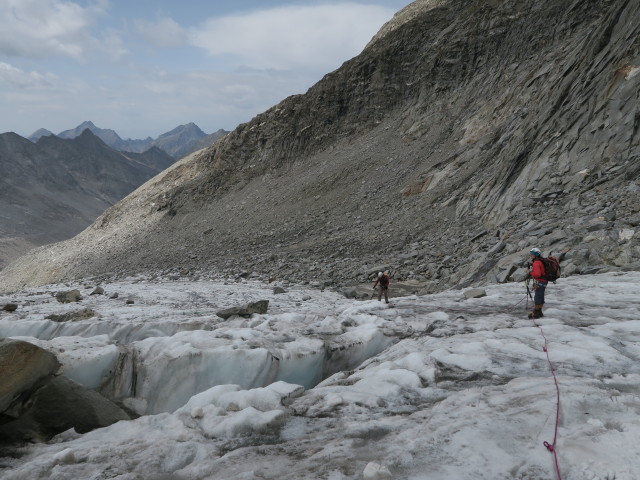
[(551, 268)]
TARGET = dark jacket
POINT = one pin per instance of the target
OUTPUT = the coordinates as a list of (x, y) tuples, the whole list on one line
[(383, 280)]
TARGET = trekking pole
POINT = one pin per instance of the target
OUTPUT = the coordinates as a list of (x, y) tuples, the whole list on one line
[(529, 296)]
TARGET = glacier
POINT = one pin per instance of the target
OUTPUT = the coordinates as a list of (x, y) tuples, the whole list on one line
[(324, 387)]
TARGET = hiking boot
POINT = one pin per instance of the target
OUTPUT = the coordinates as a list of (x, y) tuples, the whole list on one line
[(536, 313)]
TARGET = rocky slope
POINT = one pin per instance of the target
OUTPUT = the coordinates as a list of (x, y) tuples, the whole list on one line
[(463, 134)]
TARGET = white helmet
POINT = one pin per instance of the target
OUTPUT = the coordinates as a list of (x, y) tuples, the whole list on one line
[(379, 274), (535, 251)]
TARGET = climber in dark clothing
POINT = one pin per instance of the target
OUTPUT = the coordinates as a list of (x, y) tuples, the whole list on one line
[(383, 280)]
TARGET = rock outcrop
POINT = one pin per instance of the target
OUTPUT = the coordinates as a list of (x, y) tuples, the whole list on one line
[(22, 365), (247, 310), (69, 296), (35, 404)]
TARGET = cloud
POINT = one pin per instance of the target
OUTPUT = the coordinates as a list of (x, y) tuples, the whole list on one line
[(44, 28), (164, 32), (260, 58), (317, 37), (212, 99), (113, 45), (145, 102), (18, 78)]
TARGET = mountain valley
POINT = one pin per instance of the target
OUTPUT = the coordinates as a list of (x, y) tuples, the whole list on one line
[(53, 189), (219, 320), (441, 153)]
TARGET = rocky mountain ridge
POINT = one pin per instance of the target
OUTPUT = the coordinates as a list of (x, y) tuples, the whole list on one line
[(51, 190), (464, 133), (178, 142)]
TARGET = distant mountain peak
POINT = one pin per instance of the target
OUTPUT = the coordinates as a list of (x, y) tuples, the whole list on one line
[(74, 132), (178, 142), (41, 132), (88, 134), (190, 128)]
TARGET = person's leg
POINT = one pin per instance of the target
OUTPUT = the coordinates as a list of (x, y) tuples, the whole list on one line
[(386, 294), (542, 288), (538, 300), (380, 293)]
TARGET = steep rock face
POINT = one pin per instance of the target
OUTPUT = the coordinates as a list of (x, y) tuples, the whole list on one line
[(207, 141), (464, 133)]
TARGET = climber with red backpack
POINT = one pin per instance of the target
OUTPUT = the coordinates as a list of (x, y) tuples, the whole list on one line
[(543, 270)]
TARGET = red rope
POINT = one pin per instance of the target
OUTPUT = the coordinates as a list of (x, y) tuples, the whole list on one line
[(552, 446)]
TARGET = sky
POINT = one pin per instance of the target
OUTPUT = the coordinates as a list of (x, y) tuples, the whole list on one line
[(144, 67), (439, 387)]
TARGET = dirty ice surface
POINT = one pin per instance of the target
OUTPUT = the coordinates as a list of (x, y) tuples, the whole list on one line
[(437, 387)]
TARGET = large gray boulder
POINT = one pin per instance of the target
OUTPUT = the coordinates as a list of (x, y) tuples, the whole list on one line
[(247, 310), (475, 293), (57, 406), (35, 404), (22, 365), (69, 296)]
